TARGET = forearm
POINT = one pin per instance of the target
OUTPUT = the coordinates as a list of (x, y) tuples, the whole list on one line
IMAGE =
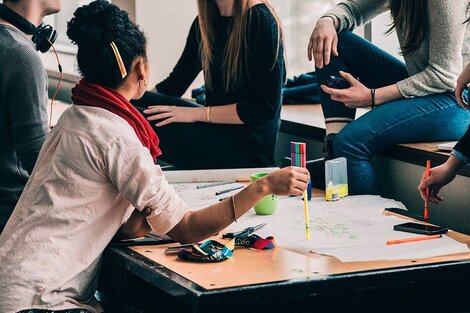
[(198, 225), (454, 164), (352, 14), (136, 226), (387, 94), (223, 114)]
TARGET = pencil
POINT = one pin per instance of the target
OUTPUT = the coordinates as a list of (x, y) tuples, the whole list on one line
[(307, 226), (428, 171), (215, 184), (218, 193), (412, 239)]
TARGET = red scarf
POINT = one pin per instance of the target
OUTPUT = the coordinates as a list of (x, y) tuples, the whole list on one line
[(93, 95)]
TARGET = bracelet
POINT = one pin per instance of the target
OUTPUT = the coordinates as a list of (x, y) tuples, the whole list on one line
[(233, 209), (208, 114), (372, 94)]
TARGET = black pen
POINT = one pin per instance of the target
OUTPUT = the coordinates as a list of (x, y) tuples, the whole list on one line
[(215, 184), (218, 193)]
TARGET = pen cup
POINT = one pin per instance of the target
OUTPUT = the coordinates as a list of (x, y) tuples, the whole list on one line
[(268, 204), (336, 179)]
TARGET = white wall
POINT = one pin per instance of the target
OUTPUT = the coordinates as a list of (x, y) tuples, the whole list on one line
[(166, 23)]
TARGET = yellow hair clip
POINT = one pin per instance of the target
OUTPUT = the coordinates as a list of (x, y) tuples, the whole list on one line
[(120, 63)]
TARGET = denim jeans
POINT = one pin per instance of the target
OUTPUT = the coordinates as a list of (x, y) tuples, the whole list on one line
[(434, 117)]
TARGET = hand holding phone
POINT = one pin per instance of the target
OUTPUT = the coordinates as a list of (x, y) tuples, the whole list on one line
[(422, 229), (337, 82)]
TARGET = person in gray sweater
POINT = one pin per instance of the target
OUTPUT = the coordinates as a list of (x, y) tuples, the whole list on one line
[(23, 100), (411, 101)]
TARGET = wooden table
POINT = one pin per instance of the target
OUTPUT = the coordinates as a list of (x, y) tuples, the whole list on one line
[(146, 280)]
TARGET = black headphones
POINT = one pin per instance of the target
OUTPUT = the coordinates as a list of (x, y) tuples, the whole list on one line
[(43, 35)]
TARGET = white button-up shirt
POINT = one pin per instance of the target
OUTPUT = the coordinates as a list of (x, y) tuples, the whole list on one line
[(91, 173)]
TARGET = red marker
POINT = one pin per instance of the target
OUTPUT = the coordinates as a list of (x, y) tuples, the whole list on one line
[(412, 239)]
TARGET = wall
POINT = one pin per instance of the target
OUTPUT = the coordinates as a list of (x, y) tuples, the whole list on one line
[(166, 23)]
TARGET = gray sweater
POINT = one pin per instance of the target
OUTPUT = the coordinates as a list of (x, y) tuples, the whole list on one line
[(435, 67), (23, 115)]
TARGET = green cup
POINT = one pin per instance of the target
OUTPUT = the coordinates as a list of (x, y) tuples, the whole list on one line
[(268, 204)]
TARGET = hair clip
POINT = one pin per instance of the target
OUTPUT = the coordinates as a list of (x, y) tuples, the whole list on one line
[(120, 63)]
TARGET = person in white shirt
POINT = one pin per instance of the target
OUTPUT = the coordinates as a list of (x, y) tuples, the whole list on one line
[(96, 175)]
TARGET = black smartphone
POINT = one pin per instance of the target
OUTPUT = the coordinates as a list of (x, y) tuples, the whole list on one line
[(337, 82), (420, 228)]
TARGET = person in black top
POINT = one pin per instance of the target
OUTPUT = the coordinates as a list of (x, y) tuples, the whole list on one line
[(238, 46), (443, 174)]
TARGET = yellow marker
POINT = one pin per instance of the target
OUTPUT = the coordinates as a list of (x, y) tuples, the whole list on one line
[(307, 219)]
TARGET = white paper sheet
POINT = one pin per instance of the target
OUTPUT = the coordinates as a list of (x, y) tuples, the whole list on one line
[(352, 229)]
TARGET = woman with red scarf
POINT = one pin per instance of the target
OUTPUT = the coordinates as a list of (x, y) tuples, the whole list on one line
[(96, 176)]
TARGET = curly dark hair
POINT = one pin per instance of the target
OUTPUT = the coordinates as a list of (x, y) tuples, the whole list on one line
[(92, 29)]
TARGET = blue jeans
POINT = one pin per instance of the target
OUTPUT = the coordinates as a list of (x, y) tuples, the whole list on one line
[(435, 117)]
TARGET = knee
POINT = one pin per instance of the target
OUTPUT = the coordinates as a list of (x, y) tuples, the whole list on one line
[(347, 144), (347, 39), (346, 42)]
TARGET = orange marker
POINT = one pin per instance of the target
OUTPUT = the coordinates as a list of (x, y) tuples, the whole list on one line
[(428, 172), (412, 239)]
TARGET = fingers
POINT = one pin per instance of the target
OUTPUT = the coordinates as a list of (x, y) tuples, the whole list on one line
[(434, 189), (302, 172), (425, 183), (157, 109), (335, 94), (290, 180), (351, 80), (327, 50), (334, 46), (298, 188), (301, 179), (318, 53), (434, 196), (160, 116), (310, 48), (458, 95), (165, 122), (422, 186)]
